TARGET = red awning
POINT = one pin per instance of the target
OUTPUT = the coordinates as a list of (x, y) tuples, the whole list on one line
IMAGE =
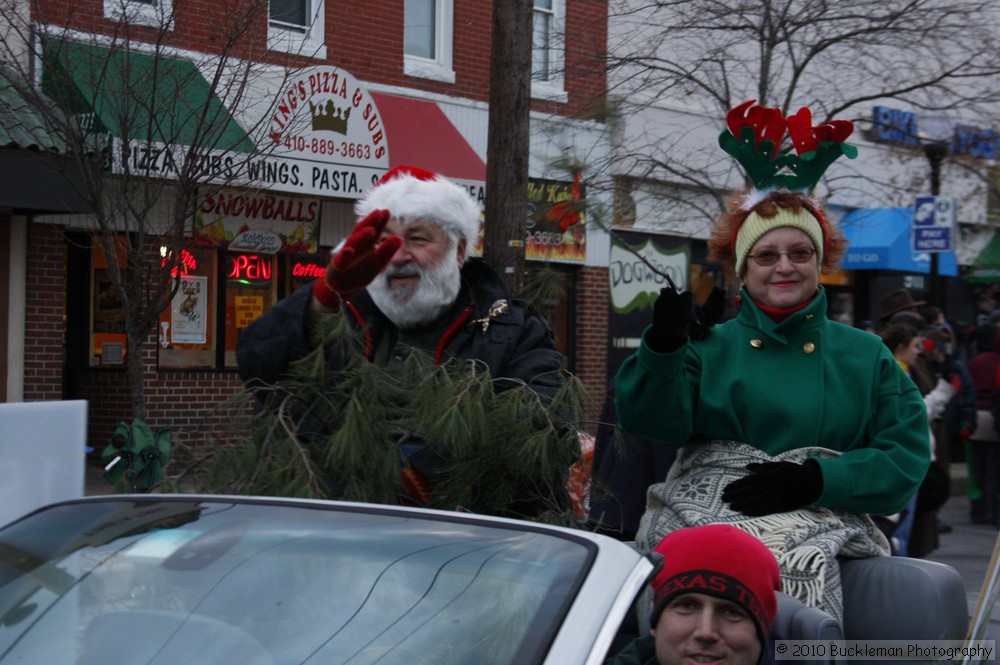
[(420, 134)]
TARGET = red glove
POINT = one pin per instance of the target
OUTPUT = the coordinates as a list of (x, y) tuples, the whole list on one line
[(955, 380), (358, 262), (965, 433)]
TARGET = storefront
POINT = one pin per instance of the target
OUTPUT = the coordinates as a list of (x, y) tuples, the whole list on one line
[(248, 251), (880, 259), (640, 262), (269, 209), (39, 177)]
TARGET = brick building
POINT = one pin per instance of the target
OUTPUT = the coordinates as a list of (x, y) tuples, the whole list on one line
[(411, 83)]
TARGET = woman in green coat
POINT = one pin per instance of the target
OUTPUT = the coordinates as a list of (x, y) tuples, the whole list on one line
[(780, 375)]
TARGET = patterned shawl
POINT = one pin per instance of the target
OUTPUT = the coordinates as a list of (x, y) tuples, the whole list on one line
[(806, 542)]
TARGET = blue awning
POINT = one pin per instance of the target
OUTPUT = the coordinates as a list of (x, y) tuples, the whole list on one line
[(879, 239)]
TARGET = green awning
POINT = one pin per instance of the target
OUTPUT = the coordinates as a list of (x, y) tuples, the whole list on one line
[(138, 96), (32, 154), (986, 268), (22, 124)]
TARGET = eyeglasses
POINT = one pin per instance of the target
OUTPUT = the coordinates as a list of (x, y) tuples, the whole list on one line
[(769, 257)]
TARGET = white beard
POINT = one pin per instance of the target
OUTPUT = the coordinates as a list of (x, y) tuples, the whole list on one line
[(412, 306)]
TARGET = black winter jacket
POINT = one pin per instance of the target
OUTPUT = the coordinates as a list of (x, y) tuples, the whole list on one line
[(517, 344)]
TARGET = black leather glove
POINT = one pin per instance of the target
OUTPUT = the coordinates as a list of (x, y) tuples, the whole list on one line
[(708, 314), (672, 315), (775, 487)]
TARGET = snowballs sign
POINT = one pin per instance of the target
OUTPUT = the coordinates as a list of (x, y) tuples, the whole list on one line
[(325, 137), (257, 222)]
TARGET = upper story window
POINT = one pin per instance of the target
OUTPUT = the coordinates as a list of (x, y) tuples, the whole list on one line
[(296, 26), (548, 49), (290, 14), (155, 13), (427, 39)]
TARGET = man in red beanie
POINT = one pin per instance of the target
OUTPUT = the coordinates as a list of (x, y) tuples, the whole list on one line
[(713, 600)]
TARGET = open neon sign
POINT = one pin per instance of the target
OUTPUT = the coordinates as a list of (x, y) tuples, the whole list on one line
[(249, 268)]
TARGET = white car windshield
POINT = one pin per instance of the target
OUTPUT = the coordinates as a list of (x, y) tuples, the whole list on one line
[(181, 581)]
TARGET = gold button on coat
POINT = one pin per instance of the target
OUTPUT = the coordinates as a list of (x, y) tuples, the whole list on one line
[(756, 343), (808, 347)]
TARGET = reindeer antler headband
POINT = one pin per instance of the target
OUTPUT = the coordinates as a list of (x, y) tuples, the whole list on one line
[(754, 137)]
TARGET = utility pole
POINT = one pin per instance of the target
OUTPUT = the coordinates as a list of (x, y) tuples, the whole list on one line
[(935, 151), (508, 141)]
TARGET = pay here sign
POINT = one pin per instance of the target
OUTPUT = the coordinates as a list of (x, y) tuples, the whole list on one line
[(933, 224)]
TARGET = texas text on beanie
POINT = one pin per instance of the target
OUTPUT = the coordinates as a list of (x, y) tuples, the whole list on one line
[(410, 193), (722, 561)]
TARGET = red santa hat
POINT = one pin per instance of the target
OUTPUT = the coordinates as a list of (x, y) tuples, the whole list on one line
[(410, 193), (722, 561)]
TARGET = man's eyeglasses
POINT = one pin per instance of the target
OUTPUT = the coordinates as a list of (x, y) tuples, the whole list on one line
[(769, 257)]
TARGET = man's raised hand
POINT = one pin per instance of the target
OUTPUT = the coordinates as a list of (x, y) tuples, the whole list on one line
[(358, 262)]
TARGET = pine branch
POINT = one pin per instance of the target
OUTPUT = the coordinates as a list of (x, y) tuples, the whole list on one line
[(351, 434)]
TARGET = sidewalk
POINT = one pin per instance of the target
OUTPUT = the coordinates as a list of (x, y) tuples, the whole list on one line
[(968, 548)]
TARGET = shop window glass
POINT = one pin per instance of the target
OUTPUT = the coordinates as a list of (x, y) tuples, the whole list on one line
[(107, 314), (547, 50), (291, 14), (427, 39), (220, 294), (301, 270), (186, 334), (297, 26), (558, 308), (251, 281)]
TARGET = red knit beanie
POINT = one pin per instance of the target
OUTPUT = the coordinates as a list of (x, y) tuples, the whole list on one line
[(721, 561)]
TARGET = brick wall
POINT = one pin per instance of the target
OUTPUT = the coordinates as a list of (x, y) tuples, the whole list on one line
[(369, 44), (44, 338), (366, 39), (192, 404), (592, 336)]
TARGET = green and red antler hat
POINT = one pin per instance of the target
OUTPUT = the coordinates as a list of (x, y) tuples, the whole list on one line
[(754, 135)]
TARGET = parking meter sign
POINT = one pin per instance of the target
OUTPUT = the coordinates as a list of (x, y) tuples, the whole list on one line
[(924, 211), (933, 221)]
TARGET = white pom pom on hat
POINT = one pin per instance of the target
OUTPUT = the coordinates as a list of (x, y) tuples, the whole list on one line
[(410, 193)]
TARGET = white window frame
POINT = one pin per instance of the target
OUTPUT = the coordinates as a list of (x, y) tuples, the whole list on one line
[(157, 14), (553, 89), (309, 42), (440, 67)]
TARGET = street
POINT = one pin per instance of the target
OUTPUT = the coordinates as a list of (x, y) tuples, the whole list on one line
[(968, 548)]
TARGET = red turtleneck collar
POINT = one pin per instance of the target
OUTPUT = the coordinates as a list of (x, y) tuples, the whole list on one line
[(779, 315)]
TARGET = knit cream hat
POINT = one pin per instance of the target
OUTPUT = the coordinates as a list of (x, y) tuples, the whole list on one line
[(756, 226)]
